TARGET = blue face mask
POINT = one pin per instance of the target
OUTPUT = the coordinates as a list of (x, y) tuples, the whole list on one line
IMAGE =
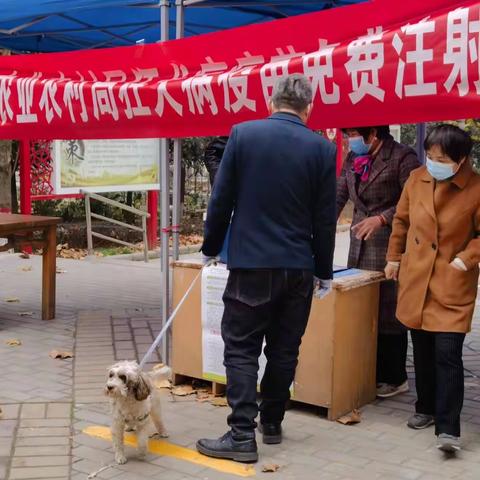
[(358, 145), (440, 171)]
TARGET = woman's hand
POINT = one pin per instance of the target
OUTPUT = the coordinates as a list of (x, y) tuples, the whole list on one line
[(365, 229), (391, 270)]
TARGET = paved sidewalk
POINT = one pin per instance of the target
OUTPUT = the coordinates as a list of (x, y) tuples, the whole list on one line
[(108, 309)]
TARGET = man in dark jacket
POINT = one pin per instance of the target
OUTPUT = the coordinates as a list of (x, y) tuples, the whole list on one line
[(213, 156), (278, 179)]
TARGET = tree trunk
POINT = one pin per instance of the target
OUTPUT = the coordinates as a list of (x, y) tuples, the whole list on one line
[(5, 174)]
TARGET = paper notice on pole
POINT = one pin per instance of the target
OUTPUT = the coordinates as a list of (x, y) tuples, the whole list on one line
[(214, 281)]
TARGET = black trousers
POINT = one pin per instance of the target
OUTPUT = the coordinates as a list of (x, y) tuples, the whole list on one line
[(439, 378), (263, 304), (392, 358)]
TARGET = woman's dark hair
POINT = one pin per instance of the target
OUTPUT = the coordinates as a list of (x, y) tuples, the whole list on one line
[(453, 141), (383, 131)]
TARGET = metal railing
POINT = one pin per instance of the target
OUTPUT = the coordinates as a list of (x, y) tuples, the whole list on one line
[(89, 215)]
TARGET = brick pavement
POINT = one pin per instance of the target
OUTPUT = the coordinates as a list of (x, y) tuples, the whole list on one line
[(107, 311)]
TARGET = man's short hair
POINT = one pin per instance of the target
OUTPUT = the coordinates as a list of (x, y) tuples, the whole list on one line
[(293, 92)]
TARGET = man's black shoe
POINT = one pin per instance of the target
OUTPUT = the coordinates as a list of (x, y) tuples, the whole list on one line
[(229, 448), (272, 433)]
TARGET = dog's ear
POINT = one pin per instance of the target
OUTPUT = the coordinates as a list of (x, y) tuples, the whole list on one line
[(142, 388)]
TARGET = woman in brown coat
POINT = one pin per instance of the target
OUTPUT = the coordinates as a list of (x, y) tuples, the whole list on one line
[(373, 177), (434, 252)]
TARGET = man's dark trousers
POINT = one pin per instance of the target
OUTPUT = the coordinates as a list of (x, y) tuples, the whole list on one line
[(270, 304)]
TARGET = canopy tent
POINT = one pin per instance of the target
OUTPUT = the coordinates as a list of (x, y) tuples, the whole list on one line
[(58, 26), (55, 26), (408, 60)]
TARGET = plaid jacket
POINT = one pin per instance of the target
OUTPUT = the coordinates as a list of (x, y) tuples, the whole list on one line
[(379, 195)]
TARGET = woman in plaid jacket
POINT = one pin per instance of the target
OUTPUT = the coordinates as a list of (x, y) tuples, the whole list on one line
[(373, 177)]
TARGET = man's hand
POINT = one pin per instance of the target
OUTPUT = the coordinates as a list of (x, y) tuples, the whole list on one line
[(365, 229), (391, 270), (321, 288)]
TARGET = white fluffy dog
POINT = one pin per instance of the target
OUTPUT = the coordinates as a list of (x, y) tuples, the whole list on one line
[(135, 405)]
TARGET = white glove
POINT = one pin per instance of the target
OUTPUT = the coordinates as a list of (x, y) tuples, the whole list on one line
[(321, 288), (459, 264), (207, 261)]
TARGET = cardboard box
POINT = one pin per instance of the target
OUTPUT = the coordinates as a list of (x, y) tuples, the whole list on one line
[(337, 361)]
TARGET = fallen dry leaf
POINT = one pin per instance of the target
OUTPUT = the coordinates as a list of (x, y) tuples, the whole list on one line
[(24, 255), (13, 342), (190, 240), (202, 399), (25, 314), (63, 251), (204, 396), (163, 384), (351, 419), (219, 402), (26, 269), (60, 354), (183, 390), (270, 467), (12, 300), (73, 254)]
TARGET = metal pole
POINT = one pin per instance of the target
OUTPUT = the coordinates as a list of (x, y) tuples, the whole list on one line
[(152, 222), (145, 239), (165, 201), (421, 134), (180, 19), (177, 187), (88, 215), (177, 152)]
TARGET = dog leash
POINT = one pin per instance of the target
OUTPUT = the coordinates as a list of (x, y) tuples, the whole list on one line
[(170, 320)]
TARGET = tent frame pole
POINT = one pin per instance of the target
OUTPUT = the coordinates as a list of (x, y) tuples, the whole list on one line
[(177, 151), (165, 203)]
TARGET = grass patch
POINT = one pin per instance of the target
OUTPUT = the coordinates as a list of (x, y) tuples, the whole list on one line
[(111, 251)]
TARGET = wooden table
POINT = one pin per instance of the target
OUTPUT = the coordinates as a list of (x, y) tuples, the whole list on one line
[(19, 230), (337, 361)]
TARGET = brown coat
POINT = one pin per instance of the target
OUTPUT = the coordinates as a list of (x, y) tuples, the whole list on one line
[(379, 195), (436, 222)]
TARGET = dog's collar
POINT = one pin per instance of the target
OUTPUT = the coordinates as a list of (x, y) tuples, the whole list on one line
[(143, 417)]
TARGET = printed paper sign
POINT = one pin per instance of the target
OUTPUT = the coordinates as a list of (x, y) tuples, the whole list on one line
[(105, 165), (214, 281)]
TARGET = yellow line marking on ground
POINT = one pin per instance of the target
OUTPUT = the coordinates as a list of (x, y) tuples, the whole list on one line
[(161, 447)]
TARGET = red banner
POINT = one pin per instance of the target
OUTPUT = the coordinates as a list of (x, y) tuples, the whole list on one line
[(370, 64)]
